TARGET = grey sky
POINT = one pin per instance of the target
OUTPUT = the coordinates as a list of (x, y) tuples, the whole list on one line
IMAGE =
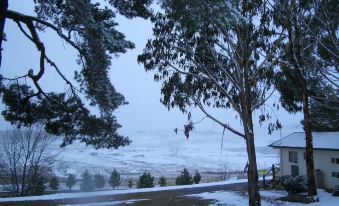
[(145, 112)]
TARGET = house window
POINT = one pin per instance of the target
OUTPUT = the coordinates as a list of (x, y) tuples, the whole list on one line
[(335, 160), (293, 156), (335, 174)]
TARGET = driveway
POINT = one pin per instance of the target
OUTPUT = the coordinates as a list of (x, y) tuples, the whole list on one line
[(175, 197)]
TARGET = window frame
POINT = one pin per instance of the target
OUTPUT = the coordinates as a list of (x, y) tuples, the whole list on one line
[(293, 156)]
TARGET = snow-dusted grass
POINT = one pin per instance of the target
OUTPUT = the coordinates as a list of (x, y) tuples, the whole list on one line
[(114, 192), (268, 198)]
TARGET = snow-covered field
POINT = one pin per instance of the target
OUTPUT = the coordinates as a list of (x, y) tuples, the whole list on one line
[(165, 153)]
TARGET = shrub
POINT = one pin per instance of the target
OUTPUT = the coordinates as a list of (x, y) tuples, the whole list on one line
[(70, 182), (295, 184), (38, 185), (114, 180), (54, 183), (336, 191), (130, 183), (162, 181), (145, 180), (197, 177), (99, 181), (87, 183), (184, 179)]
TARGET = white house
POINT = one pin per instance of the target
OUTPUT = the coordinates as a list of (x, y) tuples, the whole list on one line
[(326, 156)]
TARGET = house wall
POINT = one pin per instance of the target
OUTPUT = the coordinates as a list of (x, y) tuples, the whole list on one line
[(322, 161)]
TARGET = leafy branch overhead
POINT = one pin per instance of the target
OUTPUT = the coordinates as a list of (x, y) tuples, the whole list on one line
[(90, 29), (205, 53)]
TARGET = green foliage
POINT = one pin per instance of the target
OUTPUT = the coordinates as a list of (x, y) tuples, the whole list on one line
[(184, 178), (295, 184), (54, 183), (306, 53), (37, 186), (70, 182), (336, 191), (99, 181), (146, 180), (114, 180), (162, 181), (87, 183), (197, 177), (90, 29), (193, 53), (325, 111), (130, 183)]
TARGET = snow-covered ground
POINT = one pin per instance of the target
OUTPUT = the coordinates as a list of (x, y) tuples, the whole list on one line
[(219, 197), (59, 196), (232, 198), (165, 153)]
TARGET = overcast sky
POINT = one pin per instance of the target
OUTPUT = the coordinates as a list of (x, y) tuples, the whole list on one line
[(144, 112)]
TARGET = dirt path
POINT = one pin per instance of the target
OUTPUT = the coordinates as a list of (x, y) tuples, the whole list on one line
[(170, 197)]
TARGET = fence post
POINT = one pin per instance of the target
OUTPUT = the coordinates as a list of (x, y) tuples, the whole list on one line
[(273, 172), (263, 181)]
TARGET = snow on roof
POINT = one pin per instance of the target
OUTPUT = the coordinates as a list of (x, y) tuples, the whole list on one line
[(321, 141)]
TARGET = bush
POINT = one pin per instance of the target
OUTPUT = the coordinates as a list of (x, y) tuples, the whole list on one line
[(99, 181), (184, 179), (87, 183), (162, 181), (295, 184), (336, 191), (197, 177), (54, 183), (130, 183), (114, 180), (70, 182), (145, 180), (38, 185)]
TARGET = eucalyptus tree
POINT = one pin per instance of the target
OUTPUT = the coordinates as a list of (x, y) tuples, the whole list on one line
[(308, 65), (90, 29), (215, 54)]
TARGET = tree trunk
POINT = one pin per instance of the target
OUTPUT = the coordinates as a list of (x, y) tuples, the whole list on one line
[(312, 190), (3, 12), (252, 173)]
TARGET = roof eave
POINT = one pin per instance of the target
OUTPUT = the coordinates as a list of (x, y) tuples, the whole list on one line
[(286, 147)]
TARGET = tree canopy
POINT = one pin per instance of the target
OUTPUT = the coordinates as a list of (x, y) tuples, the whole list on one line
[(90, 29)]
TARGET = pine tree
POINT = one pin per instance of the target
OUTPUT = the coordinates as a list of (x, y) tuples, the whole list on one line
[(197, 177), (87, 183), (90, 29), (184, 178), (54, 183), (99, 181), (145, 180), (130, 183), (70, 182), (114, 180), (162, 181)]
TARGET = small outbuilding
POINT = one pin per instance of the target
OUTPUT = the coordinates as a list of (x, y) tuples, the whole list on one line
[(325, 155)]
